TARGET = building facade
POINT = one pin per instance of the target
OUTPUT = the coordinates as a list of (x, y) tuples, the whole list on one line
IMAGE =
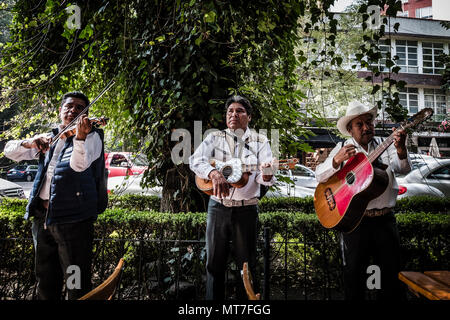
[(418, 46)]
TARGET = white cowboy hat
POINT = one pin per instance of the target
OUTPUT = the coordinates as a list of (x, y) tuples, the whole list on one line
[(354, 109)]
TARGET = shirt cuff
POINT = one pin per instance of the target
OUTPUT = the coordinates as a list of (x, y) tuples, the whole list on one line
[(260, 180)]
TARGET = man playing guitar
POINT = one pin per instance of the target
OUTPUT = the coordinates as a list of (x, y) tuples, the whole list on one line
[(232, 212), (377, 233)]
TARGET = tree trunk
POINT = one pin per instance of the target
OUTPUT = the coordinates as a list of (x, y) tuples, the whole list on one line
[(180, 193)]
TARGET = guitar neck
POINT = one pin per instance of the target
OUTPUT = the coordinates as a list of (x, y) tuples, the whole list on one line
[(381, 148)]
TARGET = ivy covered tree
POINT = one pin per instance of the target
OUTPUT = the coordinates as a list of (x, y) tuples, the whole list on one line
[(174, 63)]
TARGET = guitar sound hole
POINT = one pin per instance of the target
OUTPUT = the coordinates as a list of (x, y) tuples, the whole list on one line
[(350, 178), (227, 171)]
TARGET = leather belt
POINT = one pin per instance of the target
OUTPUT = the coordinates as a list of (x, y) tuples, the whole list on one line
[(238, 203), (377, 212)]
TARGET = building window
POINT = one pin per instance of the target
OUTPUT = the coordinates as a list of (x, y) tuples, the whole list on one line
[(402, 14), (406, 51), (436, 99), (409, 99), (431, 53), (424, 13), (385, 53)]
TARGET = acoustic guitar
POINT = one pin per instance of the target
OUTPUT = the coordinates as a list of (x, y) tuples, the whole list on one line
[(340, 202), (237, 173)]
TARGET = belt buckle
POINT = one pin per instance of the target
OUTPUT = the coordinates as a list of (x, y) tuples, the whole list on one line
[(227, 202)]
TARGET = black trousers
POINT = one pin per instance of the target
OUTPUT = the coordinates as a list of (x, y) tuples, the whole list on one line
[(58, 247), (376, 238), (225, 224)]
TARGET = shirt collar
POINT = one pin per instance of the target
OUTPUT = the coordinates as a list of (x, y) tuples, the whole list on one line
[(372, 145), (245, 136)]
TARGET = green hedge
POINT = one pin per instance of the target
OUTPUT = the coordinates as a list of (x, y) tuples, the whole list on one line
[(306, 205)]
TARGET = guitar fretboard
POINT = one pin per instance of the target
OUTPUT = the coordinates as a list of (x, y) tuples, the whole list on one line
[(380, 149)]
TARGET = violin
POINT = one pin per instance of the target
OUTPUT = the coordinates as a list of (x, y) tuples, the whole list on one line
[(71, 131)]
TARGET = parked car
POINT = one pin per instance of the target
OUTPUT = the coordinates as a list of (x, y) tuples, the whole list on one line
[(125, 164), (301, 176), (11, 190), (131, 184), (283, 189), (433, 175), (22, 172)]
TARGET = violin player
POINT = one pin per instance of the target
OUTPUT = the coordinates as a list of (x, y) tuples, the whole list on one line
[(63, 200), (232, 212), (377, 235)]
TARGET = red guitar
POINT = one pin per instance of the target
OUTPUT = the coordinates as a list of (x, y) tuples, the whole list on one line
[(341, 201)]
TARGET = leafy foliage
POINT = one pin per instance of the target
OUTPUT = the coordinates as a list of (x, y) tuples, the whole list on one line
[(174, 63)]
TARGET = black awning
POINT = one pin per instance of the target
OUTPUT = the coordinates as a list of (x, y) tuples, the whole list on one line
[(324, 138), (324, 141)]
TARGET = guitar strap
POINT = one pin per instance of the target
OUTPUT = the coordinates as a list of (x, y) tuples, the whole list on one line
[(232, 141)]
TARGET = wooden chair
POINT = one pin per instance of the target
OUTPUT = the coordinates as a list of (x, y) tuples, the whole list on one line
[(248, 283), (433, 285), (107, 289)]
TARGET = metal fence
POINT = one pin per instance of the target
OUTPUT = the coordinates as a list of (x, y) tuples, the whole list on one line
[(295, 267), (162, 269)]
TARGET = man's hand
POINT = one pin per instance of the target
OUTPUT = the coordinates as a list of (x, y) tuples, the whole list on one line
[(221, 188), (400, 143), (84, 127), (40, 142), (344, 154), (267, 171)]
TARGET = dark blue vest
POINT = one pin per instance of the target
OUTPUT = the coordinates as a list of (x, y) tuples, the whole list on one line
[(73, 195)]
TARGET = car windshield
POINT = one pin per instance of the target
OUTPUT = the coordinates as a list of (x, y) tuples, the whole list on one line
[(302, 171), (140, 160), (20, 167)]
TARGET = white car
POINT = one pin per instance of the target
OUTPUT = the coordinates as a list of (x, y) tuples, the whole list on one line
[(282, 189), (301, 176), (11, 190), (432, 178), (131, 184)]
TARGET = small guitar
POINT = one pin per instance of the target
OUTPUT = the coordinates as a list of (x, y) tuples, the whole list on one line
[(237, 173), (341, 201), (234, 171)]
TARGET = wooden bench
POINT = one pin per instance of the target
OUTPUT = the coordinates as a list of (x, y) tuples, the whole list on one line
[(434, 285)]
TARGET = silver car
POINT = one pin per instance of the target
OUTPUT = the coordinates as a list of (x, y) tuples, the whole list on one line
[(429, 177), (121, 185), (11, 190), (301, 176), (282, 189)]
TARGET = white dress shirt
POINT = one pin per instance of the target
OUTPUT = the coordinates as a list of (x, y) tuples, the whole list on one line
[(84, 153), (216, 147), (389, 157)]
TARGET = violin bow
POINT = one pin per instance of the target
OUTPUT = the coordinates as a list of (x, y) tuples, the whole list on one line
[(58, 135)]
